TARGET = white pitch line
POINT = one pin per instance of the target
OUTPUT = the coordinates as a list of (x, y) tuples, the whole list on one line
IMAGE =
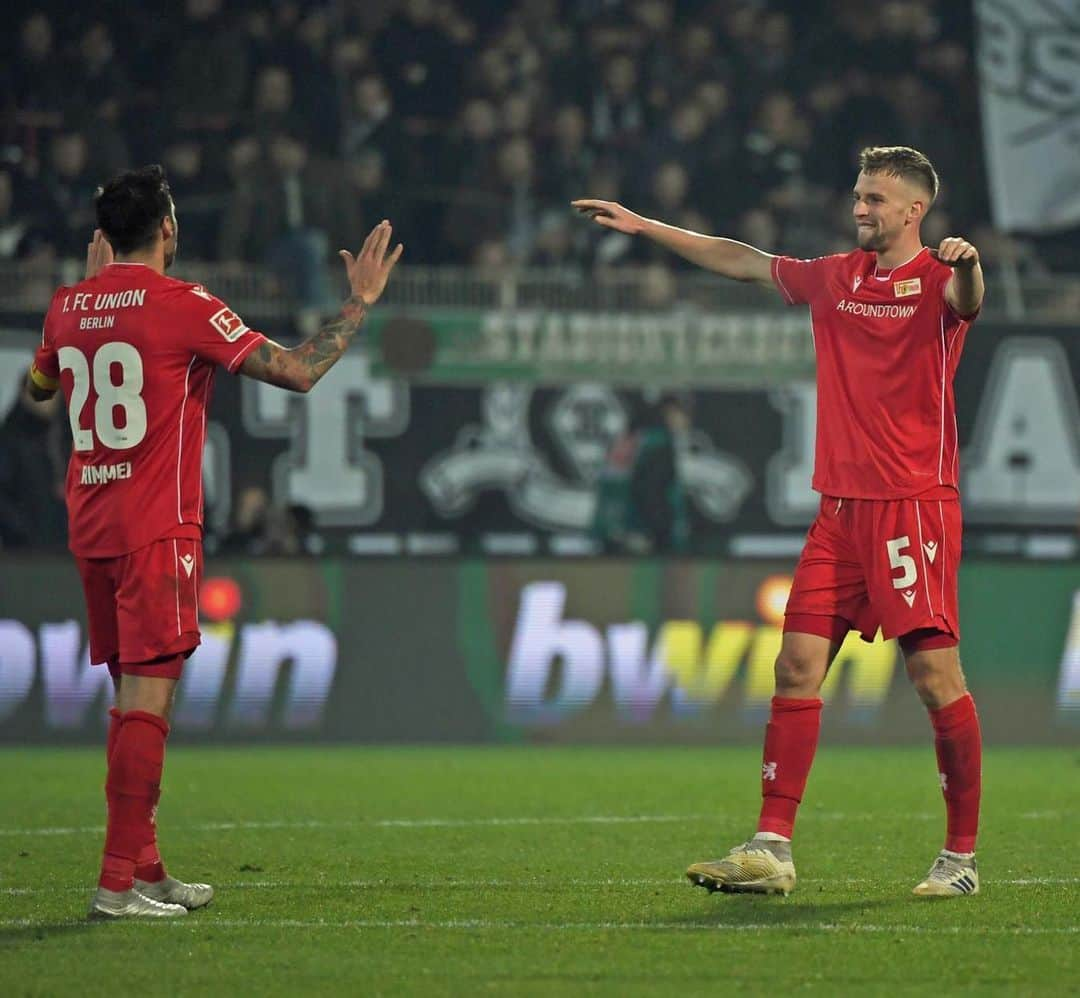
[(229, 826), (599, 819), (207, 921), (420, 823), (435, 882)]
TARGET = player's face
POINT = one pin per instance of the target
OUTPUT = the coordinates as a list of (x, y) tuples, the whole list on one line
[(883, 207)]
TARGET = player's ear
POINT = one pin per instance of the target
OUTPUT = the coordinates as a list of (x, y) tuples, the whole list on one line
[(168, 228)]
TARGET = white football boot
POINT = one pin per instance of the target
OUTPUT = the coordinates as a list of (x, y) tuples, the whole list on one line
[(951, 876), (173, 891), (107, 904)]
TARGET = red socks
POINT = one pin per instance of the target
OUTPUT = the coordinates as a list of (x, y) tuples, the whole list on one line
[(148, 866), (791, 738), (958, 742), (132, 790)]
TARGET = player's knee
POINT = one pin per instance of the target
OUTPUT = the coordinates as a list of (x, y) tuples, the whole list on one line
[(796, 672), (936, 683)]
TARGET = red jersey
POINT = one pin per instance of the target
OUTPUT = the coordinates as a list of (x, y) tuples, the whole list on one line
[(887, 346), (135, 353)]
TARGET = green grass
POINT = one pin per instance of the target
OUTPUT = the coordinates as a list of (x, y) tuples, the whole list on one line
[(446, 871)]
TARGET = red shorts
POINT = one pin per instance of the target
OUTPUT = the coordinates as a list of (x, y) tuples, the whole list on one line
[(882, 563), (144, 605)]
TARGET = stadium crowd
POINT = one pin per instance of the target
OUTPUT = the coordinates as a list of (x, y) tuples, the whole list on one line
[(288, 128)]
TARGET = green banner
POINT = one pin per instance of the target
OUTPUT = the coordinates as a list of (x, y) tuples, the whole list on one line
[(686, 348)]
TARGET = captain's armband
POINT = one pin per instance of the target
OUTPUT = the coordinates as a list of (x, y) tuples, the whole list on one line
[(42, 381)]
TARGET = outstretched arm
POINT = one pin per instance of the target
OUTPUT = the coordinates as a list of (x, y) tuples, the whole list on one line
[(727, 257), (299, 368)]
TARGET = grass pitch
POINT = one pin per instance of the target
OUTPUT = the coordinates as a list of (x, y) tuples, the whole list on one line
[(528, 871)]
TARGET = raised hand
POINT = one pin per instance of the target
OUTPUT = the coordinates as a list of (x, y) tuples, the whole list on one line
[(956, 252), (370, 269), (99, 253), (611, 215)]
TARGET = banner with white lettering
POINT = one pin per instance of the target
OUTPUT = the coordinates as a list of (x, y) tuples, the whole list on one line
[(1029, 74), (373, 463)]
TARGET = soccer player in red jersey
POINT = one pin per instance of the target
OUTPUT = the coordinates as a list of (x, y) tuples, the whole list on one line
[(135, 353), (888, 321)]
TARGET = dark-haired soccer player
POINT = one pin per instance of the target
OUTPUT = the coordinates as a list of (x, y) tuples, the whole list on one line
[(135, 353), (888, 321)]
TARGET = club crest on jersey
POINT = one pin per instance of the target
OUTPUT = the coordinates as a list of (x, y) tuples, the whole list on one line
[(905, 289), (229, 324)]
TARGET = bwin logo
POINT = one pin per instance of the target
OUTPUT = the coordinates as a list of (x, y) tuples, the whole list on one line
[(230, 682), (559, 666)]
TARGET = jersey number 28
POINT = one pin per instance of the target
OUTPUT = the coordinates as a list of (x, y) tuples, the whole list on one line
[(127, 395)]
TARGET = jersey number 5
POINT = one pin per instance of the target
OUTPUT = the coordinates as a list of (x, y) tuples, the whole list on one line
[(902, 561), (127, 395)]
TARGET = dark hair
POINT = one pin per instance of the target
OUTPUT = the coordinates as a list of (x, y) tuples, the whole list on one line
[(900, 161), (130, 207)]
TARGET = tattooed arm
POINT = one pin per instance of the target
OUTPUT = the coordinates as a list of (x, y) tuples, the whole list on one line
[(299, 368)]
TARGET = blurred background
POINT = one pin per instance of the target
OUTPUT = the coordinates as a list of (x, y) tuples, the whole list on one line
[(560, 491)]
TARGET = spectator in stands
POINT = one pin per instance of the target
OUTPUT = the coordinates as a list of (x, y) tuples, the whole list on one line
[(566, 157), (422, 62), (668, 197), (775, 148), (278, 212), (618, 113), (641, 499), (360, 194), (14, 223), (36, 91), (210, 71), (98, 87), (436, 88), (249, 526), (370, 124), (32, 467), (69, 185), (195, 185), (261, 527), (304, 51), (273, 110), (501, 212), (680, 138)]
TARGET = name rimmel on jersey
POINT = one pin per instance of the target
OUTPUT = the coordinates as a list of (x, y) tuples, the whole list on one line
[(140, 350)]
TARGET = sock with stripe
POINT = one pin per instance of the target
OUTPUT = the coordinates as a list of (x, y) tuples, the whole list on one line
[(791, 738), (958, 743)]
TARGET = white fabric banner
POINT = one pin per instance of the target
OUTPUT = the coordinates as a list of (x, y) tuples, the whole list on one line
[(1029, 75)]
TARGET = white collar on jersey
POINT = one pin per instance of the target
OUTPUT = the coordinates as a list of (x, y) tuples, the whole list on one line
[(893, 270)]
